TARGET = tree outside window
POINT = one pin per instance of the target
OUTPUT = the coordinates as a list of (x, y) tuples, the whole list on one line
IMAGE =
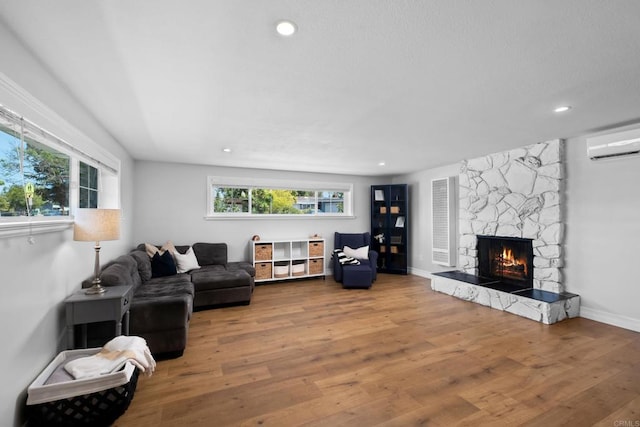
[(230, 200), (37, 164), (274, 201)]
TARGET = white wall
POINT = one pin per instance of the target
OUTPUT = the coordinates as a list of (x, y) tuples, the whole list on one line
[(35, 279), (420, 217), (171, 204), (603, 235)]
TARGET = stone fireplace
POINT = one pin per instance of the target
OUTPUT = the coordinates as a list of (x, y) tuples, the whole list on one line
[(511, 234), (508, 260), (515, 194)]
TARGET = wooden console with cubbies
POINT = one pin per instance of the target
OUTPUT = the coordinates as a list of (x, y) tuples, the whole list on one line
[(282, 259)]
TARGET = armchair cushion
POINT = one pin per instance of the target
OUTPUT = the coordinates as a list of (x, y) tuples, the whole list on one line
[(359, 253), (343, 258)]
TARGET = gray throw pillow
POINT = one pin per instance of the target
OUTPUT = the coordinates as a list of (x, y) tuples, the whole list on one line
[(144, 264)]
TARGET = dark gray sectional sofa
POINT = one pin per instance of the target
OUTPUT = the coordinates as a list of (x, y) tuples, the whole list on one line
[(162, 306)]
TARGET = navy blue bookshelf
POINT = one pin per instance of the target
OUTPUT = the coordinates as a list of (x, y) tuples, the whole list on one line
[(390, 227)]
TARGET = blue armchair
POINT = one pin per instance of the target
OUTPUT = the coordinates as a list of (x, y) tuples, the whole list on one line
[(355, 276)]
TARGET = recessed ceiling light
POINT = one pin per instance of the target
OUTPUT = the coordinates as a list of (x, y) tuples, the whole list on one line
[(286, 28), (562, 109), (381, 163), (226, 150)]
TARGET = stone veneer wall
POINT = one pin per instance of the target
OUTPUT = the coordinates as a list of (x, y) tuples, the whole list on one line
[(515, 193)]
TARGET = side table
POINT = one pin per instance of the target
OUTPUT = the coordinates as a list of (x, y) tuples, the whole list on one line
[(111, 305)]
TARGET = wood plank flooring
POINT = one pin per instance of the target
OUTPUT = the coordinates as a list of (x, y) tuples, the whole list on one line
[(311, 353)]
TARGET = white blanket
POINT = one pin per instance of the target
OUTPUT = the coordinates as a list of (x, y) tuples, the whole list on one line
[(112, 357)]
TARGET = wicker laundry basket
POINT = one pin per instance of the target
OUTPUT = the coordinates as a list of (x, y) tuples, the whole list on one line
[(56, 399)]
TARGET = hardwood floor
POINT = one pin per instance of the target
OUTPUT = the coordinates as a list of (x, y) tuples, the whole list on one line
[(399, 354)]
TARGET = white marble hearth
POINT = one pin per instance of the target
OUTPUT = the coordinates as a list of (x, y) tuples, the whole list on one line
[(534, 304)]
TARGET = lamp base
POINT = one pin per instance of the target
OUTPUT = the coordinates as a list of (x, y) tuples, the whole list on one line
[(96, 289)]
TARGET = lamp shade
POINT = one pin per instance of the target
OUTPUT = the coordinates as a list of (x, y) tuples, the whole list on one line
[(96, 225)]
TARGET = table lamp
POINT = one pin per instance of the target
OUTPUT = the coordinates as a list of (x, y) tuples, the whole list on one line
[(96, 225)]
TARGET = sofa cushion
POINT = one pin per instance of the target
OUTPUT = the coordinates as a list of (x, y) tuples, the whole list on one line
[(182, 249), (210, 253), (242, 265), (186, 262), (144, 264), (163, 265), (208, 279), (176, 278), (154, 249), (210, 269), (122, 271), (161, 286), (159, 313)]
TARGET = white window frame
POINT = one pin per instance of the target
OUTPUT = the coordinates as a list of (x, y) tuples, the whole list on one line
[(88, 188), (108, 168), (280, 184)]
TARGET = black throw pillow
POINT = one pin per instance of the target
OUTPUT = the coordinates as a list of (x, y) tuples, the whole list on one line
[(163, 265)]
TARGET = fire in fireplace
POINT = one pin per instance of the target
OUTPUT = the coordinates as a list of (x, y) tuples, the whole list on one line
[(507, 259)]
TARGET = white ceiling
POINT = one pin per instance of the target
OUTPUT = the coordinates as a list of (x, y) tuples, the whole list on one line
[(416, 84)]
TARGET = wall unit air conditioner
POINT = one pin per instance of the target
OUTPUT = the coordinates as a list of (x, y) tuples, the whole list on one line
[(614, 144), (443, 221)]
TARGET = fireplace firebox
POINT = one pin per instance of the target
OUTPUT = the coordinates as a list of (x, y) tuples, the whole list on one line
[(506, 259)]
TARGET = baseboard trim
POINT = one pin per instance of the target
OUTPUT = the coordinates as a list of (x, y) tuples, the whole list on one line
[(422, 273), (610, 318)]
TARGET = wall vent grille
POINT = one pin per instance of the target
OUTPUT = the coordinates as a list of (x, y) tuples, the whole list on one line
[(443, 231)]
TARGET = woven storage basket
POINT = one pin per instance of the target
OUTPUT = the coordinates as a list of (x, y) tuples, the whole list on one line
[(264, 252), (316, 266), (316, 248), (53, 404), (263, 271)]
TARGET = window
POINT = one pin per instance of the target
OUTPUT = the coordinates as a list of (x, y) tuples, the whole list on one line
[(34, 178), (88, 186), (44, 178), (241, 197), (230, 200)]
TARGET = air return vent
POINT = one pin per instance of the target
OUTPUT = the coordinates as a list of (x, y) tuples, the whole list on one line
[(443, 230)]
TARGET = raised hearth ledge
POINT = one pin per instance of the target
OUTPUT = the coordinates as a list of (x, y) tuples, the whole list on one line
[(538, 308)]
